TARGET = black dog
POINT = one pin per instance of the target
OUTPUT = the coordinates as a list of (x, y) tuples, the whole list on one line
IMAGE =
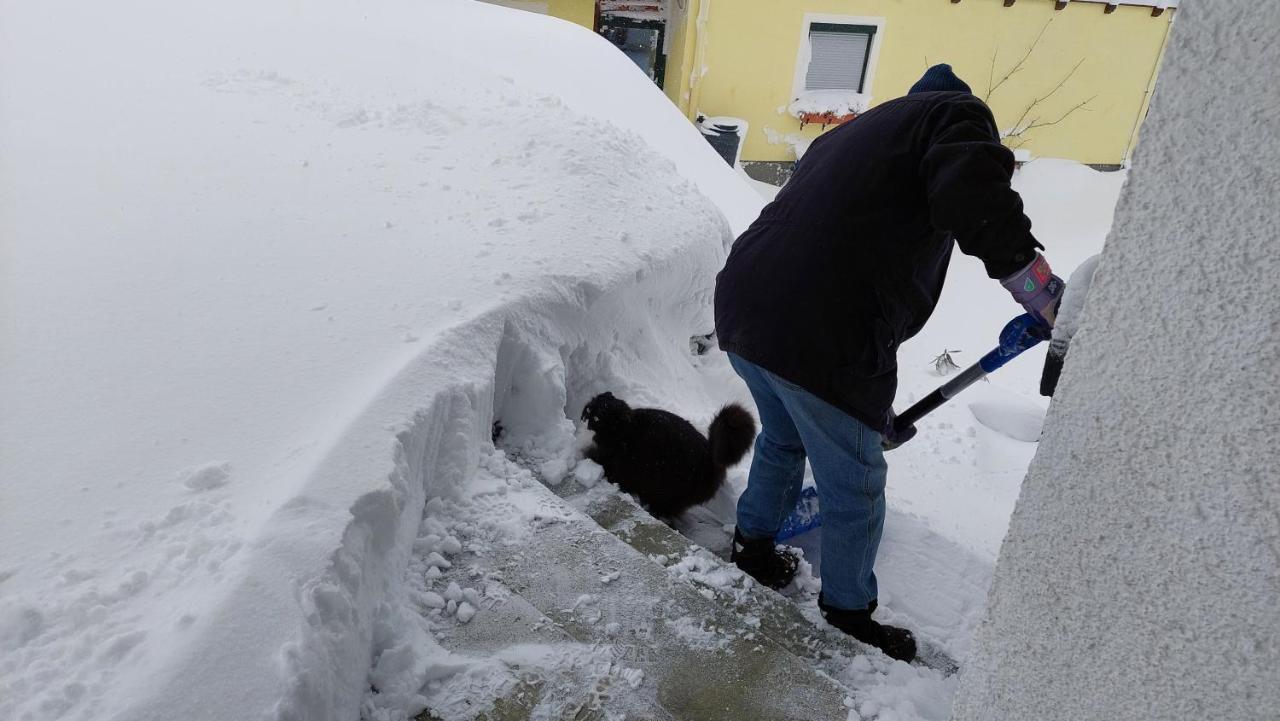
[(659, 457)]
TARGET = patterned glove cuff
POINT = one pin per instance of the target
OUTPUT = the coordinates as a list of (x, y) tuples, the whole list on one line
[(1036, 288)]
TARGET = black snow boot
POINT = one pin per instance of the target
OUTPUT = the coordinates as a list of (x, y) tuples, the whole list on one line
[(895, 642), (761, 559)]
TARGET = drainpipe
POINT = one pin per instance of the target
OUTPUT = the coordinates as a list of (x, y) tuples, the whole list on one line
[(699, 54)]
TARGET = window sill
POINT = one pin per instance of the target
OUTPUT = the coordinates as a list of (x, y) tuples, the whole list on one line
[(824, 118)]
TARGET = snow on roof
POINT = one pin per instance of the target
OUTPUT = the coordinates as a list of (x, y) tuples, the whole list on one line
[(239, 239)]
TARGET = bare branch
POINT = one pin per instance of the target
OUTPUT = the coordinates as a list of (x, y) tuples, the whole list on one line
[(1037, 124), (991, 74), (1018, 65), (1032, 106)]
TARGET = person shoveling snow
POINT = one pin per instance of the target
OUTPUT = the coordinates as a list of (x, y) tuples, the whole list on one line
[(816, 297)]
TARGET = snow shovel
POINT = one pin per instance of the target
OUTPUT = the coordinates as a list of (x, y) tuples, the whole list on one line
[(1019, 334)]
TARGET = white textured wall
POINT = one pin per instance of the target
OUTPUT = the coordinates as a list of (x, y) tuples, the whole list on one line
[(1139, 579)]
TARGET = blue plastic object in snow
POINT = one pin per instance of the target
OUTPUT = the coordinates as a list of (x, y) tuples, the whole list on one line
[(1018, 335), (804, 518)]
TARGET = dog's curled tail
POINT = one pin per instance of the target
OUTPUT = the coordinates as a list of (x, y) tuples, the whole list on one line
[(732, 432)]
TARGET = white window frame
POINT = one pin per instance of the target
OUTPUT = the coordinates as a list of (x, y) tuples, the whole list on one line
[(806, 49)]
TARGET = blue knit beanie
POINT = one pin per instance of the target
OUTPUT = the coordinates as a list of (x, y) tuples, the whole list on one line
[(939, 77)]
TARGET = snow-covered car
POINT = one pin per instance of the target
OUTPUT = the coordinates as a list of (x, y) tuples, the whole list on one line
[(267, 269)]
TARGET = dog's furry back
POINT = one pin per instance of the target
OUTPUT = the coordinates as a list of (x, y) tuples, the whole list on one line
[(660, 457)]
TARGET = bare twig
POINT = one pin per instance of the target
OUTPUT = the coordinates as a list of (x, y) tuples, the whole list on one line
[(1018, 65), (1037, 124), (1034, 103), (991, 74)]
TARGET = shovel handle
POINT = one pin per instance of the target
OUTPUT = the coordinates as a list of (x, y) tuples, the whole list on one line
[(1019, 334), (940, 395)]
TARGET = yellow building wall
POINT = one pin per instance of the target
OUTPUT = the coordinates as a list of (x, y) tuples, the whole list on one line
[(582, 12), (686, 31), (744, 65)]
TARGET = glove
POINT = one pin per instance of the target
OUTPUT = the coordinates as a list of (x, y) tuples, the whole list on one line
[(1037, 289)]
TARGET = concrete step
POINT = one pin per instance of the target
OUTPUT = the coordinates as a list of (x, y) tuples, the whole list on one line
[(656, 647), (780, 619)]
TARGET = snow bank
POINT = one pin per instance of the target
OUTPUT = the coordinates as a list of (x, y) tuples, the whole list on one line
[(1139, 577), (263, 266)]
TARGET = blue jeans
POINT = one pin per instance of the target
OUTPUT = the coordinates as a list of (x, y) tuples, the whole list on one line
[(848, 468)]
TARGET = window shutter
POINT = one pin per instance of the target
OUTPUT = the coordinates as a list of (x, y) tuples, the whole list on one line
[(838, 60)]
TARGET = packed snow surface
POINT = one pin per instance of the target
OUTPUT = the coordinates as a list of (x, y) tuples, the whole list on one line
[(264, 299)]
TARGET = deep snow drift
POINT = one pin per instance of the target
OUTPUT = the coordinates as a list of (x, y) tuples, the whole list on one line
[(951, 490), (256, 261), (268, 274), (1140, 575)]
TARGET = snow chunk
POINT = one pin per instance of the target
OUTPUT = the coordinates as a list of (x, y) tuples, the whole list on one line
[(696, 634), (588, 472), (453, 592), (451, 545), (207, 477), (553, 471), (712, 574), (633, 676), (890, 689)]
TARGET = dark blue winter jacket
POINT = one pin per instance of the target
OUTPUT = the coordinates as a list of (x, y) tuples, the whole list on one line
[(849, 259)]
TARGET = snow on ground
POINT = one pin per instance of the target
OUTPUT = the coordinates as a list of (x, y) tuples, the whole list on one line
[(263, 296), (257, 260)]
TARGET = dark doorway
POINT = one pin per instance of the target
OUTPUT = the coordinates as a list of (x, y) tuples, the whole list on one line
[(640, 39)]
